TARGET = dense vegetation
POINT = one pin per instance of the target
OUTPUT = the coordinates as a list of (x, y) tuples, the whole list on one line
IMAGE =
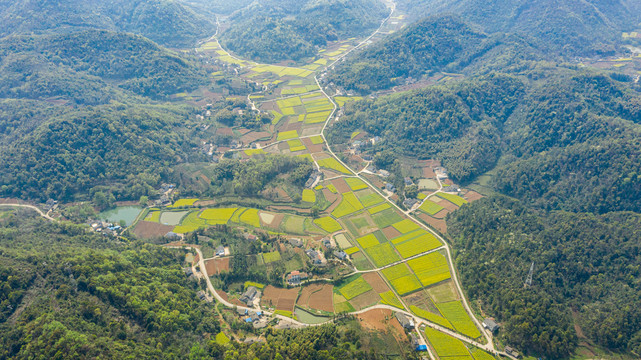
[(83, 66), (167, 22), (272, 31), (571, 27), (81, 295), (567, 141), (586, 264), (427, 46), (460, 124), (252, 178), (121, 149)]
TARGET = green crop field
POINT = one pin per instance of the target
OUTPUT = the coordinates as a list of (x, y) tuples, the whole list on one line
[(386, 218), (379, 208), (309, 196), (401, 279), (316, 139), (456, 314), (445, 345), (382, 254), (328, 224), (354, 288), (259, 286), (191, 222), (295, 145), (408, 236), (236, 217), (287, 135), (430, 207), (430, 316), (349, 205), (389, 298), (454, 199), (333, 164), (341, 100), (184, 202), (153, 216), (277, 117), (405, 226), (250, 217), (369, 198), (318, 117), (352, 250), (479, 354), (332, 188), (290, 102), (431, 268), (271, 257), (293, 224), (222, 339), (217, 216), (355, 183), (421, 244), (368, 241), (254, 152)]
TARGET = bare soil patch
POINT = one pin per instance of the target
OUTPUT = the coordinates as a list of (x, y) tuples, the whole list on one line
[(447, 205), (365, 300), (281, 299), (149, 230), (216, 266), (472, 196), (253, 136), (225, 131), (374, 279), (323, 299), (341, 185), (381, 320), (438, 224), (390, 232)]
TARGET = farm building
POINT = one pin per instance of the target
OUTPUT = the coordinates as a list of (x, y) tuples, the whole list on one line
[(491, 325), (405, 322), (510, 351), (384, 173), (316, 257), (295, 242), (220, 251), (418, 344), (390, 187), (408, 203), (408, 181), (172, 236), (295, 277), (250, 296), (341, 255), (327, 242)]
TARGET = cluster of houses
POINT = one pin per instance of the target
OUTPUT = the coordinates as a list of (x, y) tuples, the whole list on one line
[(256, 318), (295, 278), (314, 177), (317, 258), (165, 191), (105, 228), (408, 324)]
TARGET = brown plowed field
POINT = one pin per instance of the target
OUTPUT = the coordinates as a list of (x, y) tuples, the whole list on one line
[(341, 185), (148, 229), (216, 266), (323, 299), (376, 282), (390, 232), (282, 299), (472, 196), (438, 224), (364, 300)]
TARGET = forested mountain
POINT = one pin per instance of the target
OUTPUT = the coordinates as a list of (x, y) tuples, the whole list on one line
[(83, 67), (276, 30), (571, 27), (167, 22), (568, 141), (460, 124), (68, 293), (122, 149), (583, 264)]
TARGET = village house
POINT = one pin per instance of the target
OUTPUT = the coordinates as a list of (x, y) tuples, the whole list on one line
[(316, 257), (342, 255), (405, 322), (409, 203), (295, 277), (295, 242), (491, 325), (327, 243), (510, 351), (390, 187), (220, 251), (408, 181), (383, 173), (250, 296)]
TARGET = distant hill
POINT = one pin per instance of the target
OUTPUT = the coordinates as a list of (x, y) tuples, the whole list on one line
[(570, 27), (276, 30), (89, 67), (167, 22)]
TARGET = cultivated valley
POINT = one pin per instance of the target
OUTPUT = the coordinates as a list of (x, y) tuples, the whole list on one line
[(368, 179)]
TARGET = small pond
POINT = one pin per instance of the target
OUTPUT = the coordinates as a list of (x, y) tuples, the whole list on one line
[(126, 213), (309, 318)]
